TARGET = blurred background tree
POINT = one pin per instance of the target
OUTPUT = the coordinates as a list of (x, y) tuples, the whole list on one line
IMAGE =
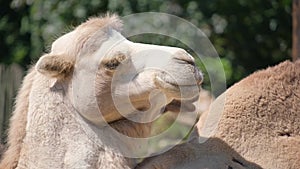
[(248, 35)]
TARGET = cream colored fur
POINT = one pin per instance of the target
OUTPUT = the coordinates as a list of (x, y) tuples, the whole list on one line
[(47, 130)]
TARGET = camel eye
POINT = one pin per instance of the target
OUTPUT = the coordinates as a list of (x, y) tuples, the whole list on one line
[(114, 62)]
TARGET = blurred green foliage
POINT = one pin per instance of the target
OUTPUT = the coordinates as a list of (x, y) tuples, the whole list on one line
[(248, 35)]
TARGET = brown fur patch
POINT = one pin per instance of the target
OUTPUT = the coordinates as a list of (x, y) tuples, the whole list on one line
[(58, 66)]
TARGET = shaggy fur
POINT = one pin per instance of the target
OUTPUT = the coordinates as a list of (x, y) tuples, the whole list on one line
[(259, 127), (56, 121), (261, 117), (61, 119), (18, 122)]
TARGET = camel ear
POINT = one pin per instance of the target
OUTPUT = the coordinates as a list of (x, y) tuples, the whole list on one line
[(57, 66)]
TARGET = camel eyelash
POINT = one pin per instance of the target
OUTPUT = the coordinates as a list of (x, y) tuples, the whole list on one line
[(115, 61)]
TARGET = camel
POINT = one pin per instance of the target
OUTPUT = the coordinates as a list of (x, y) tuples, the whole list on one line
[(80, 100), (258, 126)]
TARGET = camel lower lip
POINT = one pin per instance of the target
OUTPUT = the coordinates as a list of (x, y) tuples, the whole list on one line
[(178, 106)]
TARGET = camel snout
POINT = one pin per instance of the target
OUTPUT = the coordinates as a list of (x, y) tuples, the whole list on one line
[(182, 57)]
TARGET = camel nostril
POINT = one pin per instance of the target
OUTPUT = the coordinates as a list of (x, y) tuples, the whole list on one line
[(198, 75), (185, 60)]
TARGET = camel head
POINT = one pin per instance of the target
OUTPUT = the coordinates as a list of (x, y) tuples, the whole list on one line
[(104, 73)]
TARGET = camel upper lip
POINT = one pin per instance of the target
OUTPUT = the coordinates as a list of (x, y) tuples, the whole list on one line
[(175, 84), (182, 85)]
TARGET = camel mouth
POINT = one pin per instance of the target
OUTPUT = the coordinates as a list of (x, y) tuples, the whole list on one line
[(184, 105), (176, 106), (178, 86), (180, 90)]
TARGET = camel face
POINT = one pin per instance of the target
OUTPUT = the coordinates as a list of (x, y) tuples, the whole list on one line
[(121, 77), (144, 78)]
